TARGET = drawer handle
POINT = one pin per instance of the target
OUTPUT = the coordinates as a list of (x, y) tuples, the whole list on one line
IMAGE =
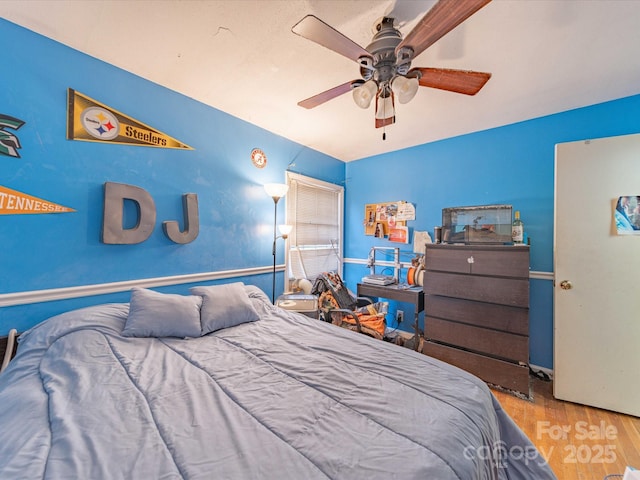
[(470, 259)]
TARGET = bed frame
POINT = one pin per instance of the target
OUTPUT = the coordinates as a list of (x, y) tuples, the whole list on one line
[(7, 348)]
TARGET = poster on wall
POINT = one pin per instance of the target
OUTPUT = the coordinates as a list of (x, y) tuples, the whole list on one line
[(13, 202), (626, 215), (406, 211), (370, 219), (399, 234), (382, 218), (90, 121)]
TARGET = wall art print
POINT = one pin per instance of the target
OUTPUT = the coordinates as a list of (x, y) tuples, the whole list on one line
[(626, 215)]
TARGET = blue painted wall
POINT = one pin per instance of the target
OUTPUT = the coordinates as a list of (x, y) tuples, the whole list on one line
[(44, 251), (512, 165)]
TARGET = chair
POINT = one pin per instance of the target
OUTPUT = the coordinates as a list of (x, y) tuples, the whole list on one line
[(340, 307)]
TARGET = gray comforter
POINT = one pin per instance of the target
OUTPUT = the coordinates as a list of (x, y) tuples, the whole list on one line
[(286, 397)]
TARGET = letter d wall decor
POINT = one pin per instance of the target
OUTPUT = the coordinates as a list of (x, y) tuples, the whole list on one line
[(113, 231)]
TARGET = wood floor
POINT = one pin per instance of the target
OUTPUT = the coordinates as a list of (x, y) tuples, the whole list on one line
[(579, 442)]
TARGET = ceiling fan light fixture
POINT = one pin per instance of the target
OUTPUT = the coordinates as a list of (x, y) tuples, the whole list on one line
[(365, 93), (385, 64), (405, 88), (385, 107)]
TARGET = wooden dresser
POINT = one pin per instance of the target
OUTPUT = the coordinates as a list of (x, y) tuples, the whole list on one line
[(477, 311)]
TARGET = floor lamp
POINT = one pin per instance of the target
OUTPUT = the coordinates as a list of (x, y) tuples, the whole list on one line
[(275, 191)]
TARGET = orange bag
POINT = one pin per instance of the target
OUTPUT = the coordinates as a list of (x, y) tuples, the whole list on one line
[(372, 321)]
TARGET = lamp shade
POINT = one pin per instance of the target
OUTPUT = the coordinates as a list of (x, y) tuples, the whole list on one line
[(276, 190), (285, 230), (385, 108), (405, 88), (363, 94)]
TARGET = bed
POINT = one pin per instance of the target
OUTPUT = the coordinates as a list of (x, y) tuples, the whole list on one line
[(260, 393)]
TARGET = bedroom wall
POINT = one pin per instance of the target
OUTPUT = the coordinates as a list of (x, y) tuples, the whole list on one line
[(512, 165), (52, 251)]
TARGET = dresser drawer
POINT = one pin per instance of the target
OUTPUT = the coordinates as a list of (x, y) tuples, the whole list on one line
[(491, 370), (504, 291), (488, 315), (497, 261), (447, 259), (504, 345)]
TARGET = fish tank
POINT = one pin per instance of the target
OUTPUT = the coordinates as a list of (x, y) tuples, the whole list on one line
[(481, 224)]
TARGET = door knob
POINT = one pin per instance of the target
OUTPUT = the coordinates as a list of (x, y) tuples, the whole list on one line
[(566, 285)]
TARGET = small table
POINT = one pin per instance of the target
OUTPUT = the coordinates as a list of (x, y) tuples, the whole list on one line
[(414, 295), (297, 302)]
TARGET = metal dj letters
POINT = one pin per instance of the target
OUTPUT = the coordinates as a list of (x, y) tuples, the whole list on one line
[(113, 231), (191, 221)]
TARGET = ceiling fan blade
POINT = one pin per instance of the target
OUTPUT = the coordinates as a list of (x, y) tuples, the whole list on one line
[(327, 95), (314, 29), (459, 81), (443, 17)]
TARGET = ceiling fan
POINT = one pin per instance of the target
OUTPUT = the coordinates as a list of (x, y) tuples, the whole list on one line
[(385, 65)]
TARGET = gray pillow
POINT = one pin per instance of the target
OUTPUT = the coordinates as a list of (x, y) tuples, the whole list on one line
[(224, 306), (154, 314)]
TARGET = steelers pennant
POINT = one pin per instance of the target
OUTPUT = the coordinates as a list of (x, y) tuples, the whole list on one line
[(91, 121), (13, 202)]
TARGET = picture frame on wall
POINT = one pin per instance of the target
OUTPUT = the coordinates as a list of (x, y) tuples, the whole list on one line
[(626, 215)]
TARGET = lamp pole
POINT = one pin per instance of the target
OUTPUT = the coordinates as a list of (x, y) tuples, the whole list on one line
[(276, 191), (273, 250)]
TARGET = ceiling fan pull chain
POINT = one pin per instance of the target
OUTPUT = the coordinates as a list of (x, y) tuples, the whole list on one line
[(384, 126)]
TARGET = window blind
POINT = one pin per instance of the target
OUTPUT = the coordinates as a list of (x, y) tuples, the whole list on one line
[(314, 208)]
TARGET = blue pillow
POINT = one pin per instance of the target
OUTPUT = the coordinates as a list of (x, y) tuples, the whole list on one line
[(224, 306), (154, 314)]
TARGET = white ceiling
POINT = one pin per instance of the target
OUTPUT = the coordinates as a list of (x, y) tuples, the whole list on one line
[(241, 57)]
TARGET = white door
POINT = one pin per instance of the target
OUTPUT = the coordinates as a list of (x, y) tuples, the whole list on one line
[(597, 313)]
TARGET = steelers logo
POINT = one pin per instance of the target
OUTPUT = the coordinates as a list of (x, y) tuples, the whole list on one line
[(100, 123)]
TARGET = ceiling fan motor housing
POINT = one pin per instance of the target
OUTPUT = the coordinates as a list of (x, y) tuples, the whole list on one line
[(386, 64)]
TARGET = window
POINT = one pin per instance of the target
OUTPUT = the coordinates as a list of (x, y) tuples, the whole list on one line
[(315, 209)]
